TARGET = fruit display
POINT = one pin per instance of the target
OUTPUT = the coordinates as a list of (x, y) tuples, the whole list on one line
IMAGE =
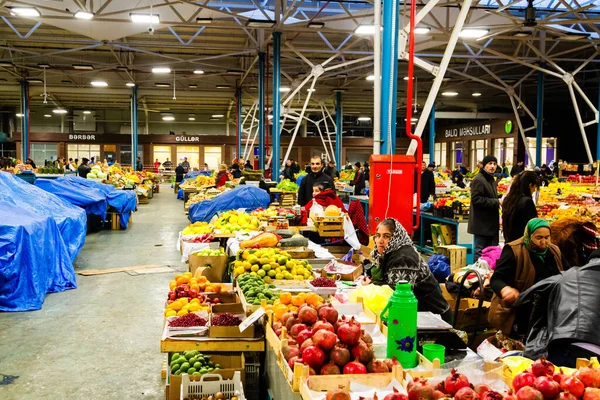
[(188, 320), (198, 182), (233, 221), (255, 290), (588, 179), (205, 238), (197, 228), (225, 319), (323, 282), (96, 173), (290, 303), (271, 263), (204, 194), (50, 170), (288, 186), (262, 240), (211, 253), (347, 175), (192, 363), (503, 185), (266, 214), (186, 294)]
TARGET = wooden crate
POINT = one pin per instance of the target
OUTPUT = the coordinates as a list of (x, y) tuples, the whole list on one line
[(456, 254), (142, 200), (114, 219), (330, 226), (288, 199)]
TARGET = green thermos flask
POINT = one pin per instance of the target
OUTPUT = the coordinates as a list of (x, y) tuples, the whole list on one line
[(401, 321)]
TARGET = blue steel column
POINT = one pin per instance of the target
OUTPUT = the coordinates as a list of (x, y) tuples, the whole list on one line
[(134, 125), (238, 150), (338, 130), (389, 76), (261, 110), (24, 120), (432, 136), (276, 162), (540, 119)]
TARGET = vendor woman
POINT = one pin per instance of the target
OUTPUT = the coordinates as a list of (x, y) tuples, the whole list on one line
[(222, 177), (396, 259), (522, 263)]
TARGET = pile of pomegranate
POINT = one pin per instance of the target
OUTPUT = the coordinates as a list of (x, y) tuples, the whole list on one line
[(343, 394), (328, 345)]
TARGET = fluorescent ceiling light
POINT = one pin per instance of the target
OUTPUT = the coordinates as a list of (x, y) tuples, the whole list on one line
[(59, 111), (168, 118), (24, 12), (130, 84), (19, 115), (162, 84), (6, 64), (422, 31), (214, 119), (310, 90), (476, 94), (364, 118), (260, 23), (84, 15), (412, 119), (144, 18), (87, 112), (223, 87), (41, 65), (406, 78), (450, 94), (191, 119), (473, 33), (217, 116), (315, 25), (161, 70), (204, 21), (284, 89), (198, 71), (269, 116), (365, 30), (47, 115), (193, 86), (86, 67), (522, 34), (99, 83), (371, 77), (252, 87), (34, 80)]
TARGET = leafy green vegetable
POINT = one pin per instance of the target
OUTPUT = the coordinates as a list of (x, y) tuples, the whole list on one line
[(288, 185)]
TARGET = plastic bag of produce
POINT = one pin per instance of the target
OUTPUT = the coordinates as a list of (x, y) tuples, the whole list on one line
[(374, 297)]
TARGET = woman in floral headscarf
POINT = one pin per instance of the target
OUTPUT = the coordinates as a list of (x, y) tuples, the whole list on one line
[(522, 263), (396, 259)]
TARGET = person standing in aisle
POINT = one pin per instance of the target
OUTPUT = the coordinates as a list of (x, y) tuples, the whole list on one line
[(484, 216), (516, 169), (288, 173), (366, 170), (248, 166), (168, 165), (314, 176), (156, 166), (331, 170), (427, 183), (518, 207), (138, 164), (179, 173), (185, 164), (84, 169), (295, 167), (359, 180)]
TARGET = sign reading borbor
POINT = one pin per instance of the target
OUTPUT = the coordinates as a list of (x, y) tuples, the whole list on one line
[(474, 130), (82, 137)]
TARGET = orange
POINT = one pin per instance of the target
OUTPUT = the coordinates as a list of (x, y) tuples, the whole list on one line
[(172, 285), (279, 310), (313, 299), (297, 300), (179, 281), (216, 287), (285, 298), (293, 309), (202, 279), (178, 276), (194, 286)]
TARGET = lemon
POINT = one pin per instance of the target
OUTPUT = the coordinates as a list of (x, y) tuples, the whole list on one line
[(254, 268), (239, 271), (247, 265), (245, 254), (307, 275), (195, 301), (261, 273), (279, 276), (271, 273), (170, 313), (181, 312), (266, 267), (253, 273)]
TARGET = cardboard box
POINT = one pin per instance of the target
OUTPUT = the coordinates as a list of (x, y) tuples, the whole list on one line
[(225, 297), (229, 331), (218, 266), (467, 314), (230, 364), (456, 254)]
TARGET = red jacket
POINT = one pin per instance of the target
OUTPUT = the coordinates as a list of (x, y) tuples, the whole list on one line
[(221, 179), (325, 198)]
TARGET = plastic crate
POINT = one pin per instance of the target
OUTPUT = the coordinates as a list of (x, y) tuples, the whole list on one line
[(209, 384), (27, 176), (252, 372)]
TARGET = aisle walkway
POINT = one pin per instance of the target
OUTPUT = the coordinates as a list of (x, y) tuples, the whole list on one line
[(101, 340)]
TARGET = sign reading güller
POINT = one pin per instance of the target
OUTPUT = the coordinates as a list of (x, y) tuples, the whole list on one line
[(187, 138), (465, 131)]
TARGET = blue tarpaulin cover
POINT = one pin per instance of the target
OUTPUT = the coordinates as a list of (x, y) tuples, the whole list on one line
[(71, 220), (92, 200), (34, 259), (244, 196), (194, 174)]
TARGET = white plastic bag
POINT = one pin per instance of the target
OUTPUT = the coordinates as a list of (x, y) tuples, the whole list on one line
[(316, 210), (350, 234)]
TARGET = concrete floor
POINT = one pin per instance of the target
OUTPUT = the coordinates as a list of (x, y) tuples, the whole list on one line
[(101, 340)]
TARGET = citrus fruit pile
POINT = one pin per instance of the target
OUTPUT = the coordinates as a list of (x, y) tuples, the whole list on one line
[(271, 263), (233, 221), (197, 228)]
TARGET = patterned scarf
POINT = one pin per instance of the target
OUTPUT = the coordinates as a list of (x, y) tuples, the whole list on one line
[(533, 225)]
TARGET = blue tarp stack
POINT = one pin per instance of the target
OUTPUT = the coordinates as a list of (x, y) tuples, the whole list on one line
[(244, 196), (40, 237)]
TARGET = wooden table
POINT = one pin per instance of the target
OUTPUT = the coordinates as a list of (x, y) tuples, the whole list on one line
[(216, 344)]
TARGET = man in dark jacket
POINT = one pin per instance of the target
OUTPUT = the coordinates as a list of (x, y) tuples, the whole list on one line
[(179, 173), (516, 169), (331, 170), (138, 164), (359, 180), (288, 171), (84, 169), (427, 183), (484, 216), (315, 175), (565, 312)]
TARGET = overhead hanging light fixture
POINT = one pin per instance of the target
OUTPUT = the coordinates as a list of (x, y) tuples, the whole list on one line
[(476, 94), (223, 86), (34, 80), (422, 31), (59, 111), (6, 64), (365, 30), (193, 86), (311, 90), (168, 118), (19, 115), (161, 70), (84, 15), (24, 11), (162, 84), (43, 65), (473, 33), (572, 36), (198, 71), (130, 84), (47, 115), (450, 94), (98, 83), (191, 118), (260, 23), (204, 21), (364, 118), (144, 18), (371, 77), (87, 112), (217, 116), (83, 67), (284, 89)]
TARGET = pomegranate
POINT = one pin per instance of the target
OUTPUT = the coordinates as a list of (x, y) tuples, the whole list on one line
[(466, 393), (292, 361), (328, 313), (391, 362), (572, 385), (396, 396), (529, 393), (377, 366), (481, 389), (340, 355), (523, 379), (292, 342), (349, 333), (510, 396), (277, 325), (354, 367), (303, 335), (324, 339), (307, 315), (291, 322), (287, 316), (492, 395), (338, 394), (369, 398), (419, 389), (454, 382), (565, 396), (547, 387), (363, 352), (278, 332), (339, 322), (296, 329), (289, 352), (438, 395), (305, 344), (589, 376), (366, 337), (313, 357), (440, 387), (330, 369), (591, 394), (322, 324), (542, 367)]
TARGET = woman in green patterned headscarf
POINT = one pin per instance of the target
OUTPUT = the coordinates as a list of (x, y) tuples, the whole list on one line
[(522, 264)]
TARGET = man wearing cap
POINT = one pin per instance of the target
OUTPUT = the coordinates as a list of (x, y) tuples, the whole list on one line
[(331, 170), (427, 182), (84, 169), (484, 216)]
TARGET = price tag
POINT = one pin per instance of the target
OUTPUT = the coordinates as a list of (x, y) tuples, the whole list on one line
[(252, 319)]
